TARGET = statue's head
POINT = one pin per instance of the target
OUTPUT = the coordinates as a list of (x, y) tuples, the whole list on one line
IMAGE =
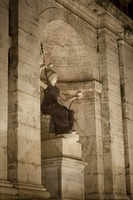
[(50, 66), (48, 74)]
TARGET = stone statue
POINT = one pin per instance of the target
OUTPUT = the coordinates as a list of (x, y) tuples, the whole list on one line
[(62, 118)]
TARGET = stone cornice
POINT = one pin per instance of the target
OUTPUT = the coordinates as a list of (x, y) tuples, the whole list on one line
[(106, 20), (81, 10), (121, 42), (88, 86), (98, 21)]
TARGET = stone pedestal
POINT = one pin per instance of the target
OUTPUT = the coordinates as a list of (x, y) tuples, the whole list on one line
[(62, 168)]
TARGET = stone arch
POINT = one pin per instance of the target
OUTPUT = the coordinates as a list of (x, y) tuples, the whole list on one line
[(64, 45)]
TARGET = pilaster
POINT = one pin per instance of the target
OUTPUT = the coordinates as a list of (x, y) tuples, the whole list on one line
[(126, 82), (6, 188), (112, 128), (24, 167)]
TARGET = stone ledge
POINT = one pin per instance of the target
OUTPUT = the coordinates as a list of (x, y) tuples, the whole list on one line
[(22, 191), (6, 189), (85, 86), (63, 160), (31, 191)]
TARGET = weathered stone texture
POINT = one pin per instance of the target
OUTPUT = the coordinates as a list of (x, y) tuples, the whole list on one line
[(91, 54), (4, 44), (113, 147), (76, 45), (26, 92), (62, 165), (24, 102), (126, 60), (88, 114)]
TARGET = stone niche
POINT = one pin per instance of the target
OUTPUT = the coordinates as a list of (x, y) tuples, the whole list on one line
[(64, 44), (64, 47)]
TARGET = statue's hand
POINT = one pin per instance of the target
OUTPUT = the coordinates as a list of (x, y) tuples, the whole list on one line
[(79, 94)]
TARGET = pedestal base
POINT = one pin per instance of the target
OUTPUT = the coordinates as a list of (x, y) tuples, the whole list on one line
[(22, 192), (30, 191), (64, 178), (7, 191), (62, 168)]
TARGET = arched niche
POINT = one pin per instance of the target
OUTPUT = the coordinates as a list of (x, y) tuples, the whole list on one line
[(63, 46), (70, 44)]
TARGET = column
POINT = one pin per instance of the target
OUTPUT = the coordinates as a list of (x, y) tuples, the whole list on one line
[(126, 81), (88, 122), (112, 127), (24, 101), (5, 187)]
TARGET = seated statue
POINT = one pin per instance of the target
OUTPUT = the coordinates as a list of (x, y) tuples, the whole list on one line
[(62, 118)]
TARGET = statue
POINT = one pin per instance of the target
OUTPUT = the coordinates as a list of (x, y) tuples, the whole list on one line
[(62, 118)]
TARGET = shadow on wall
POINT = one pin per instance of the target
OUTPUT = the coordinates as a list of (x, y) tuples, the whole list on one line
[(116, 3)]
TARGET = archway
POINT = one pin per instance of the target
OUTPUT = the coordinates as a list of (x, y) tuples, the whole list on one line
[(63, 46)]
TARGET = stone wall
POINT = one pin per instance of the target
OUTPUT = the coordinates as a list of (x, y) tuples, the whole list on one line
[(126, 60), (91, 53), (69, 42), (24, 167), (4, 45), (24, 89), (112, 129)]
